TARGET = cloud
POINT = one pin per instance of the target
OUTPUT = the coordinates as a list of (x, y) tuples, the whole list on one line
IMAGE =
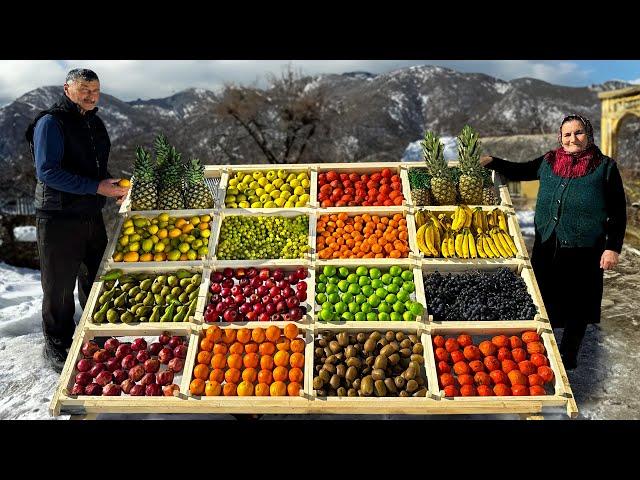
[(132, 79)]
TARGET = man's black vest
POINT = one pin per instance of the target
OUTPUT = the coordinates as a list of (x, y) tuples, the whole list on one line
[(86, 152)]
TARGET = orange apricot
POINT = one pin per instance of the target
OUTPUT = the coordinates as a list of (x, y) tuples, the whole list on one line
[(296, 360), (273, 333), (265, 376), (291, 331)]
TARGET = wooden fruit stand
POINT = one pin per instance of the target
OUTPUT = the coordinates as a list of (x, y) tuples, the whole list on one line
[(310, 326)]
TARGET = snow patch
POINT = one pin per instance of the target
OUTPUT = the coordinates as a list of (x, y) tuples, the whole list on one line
[(413, 152), (501, 87), (24, 234), (525, 220)]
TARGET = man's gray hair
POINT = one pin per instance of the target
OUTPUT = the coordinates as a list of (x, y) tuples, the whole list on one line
[(81, 74)]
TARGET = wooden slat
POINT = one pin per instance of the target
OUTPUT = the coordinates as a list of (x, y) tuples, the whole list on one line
[(406, 188), (430, 366), (314, 203)]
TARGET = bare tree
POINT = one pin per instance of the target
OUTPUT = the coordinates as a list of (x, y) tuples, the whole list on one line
[(281, 120)]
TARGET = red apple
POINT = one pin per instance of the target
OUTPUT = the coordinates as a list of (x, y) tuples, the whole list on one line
[(245, 308), (171, 390), (77, 389), (120, 376), (278, 274), (153, 390), (165, 355), (111, 344), (174, 342), (264, 317), (142, 356), (180, 351), (128, 362), (225, 292), (215, 288), (96, 369), (164, 378), (127, 385), (112, 364), (264, 274), (292, 278), (136, 373), (247, 291), (262, 290), (244, 282), (148, 378), (301, 295), (227, 283), (164, 338), (83, 378), (230, 315), (155, 348), (84, 364), (137, 391), (228, 272), (276, 317), (123, 350), (101, 356), (240, 273), (217, 277), (139, 344), (104, 378), (251, 316)]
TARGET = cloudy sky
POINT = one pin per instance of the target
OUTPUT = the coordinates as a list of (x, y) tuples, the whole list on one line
[(132, 79)]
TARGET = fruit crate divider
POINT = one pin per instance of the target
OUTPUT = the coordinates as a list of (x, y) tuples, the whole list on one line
[(214, 238), (110, 249), (156, 268), (202, 296), (357, 405), (287, 266), (102, 404), (406, 188), (562, 386), (313, 188), (415, 252), (430, 366), (190, 361), (507, 328), (402, 262)]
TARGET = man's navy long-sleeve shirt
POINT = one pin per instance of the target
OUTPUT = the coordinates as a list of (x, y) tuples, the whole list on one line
[(48, 146)]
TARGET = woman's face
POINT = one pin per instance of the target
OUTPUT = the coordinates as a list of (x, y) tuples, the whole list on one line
[(574, 136)]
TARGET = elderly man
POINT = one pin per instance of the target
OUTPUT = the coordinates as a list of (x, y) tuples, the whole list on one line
[(70, 146)]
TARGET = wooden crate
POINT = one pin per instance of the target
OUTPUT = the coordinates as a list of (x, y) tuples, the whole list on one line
[(514, 231), (352, 212), (361, 169), (429, 267), (99, 285), (212, 173), (65, 403), (285, 265), (301, 168), (284, 212), (562, 395), (252, 404), (111, 248), (418, 295)]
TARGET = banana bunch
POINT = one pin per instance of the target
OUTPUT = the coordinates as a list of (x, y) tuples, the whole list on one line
[(464, 234)]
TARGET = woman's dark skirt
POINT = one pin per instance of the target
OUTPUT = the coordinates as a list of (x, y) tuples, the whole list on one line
[(570, 281)]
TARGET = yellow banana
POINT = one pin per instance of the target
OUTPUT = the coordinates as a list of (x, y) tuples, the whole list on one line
[(492, 246), (473, 251), (420, 241), (420, 219), (485, 222), (436, 240), (458, 245), (465, 244), (461, 220), (451, 244), (504, 243), (502, 220), (433, 219), (477, 220), (444, 248), (428, 236), (481, 252), (498, 245), (468, 216), (510, 242), (454, 219)]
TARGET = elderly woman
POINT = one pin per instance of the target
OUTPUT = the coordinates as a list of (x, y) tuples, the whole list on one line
[(580, 222)]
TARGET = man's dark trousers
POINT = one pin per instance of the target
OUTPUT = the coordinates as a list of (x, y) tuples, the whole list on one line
[(64, 244)]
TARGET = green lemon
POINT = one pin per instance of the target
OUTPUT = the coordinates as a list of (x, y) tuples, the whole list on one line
[(326, 315), (343, 272), (395, 317), (321, 288), (372, 317), (360, 316), (329, 270), (374, 300), (340, 308), (386, 278), (395, 271), (192, 255), (409, 287), (366, 307), (173, 255), (393, 288), (354, 289), (408, 317), (352, 278), (335, 298), (327, 306), (333, 280), (362, 281), (322, 278), (347, 297), (343, 285), (347, 316), (402, 295), (385, 307), (354, 307), (407, 275), (375, 273), (391, 298), (360, 271), (383, 317), (367, 290), (331, 288), (147, 245), (377, 283), (360, 299), (416, 308), (321, 298), (381, 292), (184, 247), (159, 247), (399, 307)]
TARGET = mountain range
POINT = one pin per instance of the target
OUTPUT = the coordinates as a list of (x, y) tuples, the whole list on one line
[(374, 118)]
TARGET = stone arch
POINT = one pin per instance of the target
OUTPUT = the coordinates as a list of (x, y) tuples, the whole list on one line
[(616, 105)]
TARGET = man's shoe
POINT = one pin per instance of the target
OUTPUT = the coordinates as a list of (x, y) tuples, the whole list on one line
[(56, 356)]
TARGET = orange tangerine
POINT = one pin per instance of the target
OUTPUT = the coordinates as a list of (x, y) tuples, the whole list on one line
[(265, 376), (250, 360), (281, 359), (273, 333), (216, 375), (293, 389), (297, 345), (232, 375), (280, 374), (267, 348), (214, 333), (234, 361), (258, 335), (283, 344), (229, 335), (295, 375), (245, 389), (196, 387), (220, 348), (296, 360), (266, 362), (262, 390), (278, 389), (249, 375), (204, 357), (291, 331), (243, 335), (206, 344), (230, 390), (212, 389), (201, 371), (251, 347), (236, 348)]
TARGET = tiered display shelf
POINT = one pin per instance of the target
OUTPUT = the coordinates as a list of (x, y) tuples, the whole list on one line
[(559, 395)]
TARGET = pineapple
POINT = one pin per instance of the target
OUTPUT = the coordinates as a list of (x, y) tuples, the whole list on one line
[(489, 194), (197, 194), (443, 188), (161, 146), (144, 191), (420, 184), (470, 185), (170, 196)]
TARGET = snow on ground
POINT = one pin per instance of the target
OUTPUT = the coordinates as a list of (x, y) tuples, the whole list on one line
[(24, 234), (600, 384), (525, 219)]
